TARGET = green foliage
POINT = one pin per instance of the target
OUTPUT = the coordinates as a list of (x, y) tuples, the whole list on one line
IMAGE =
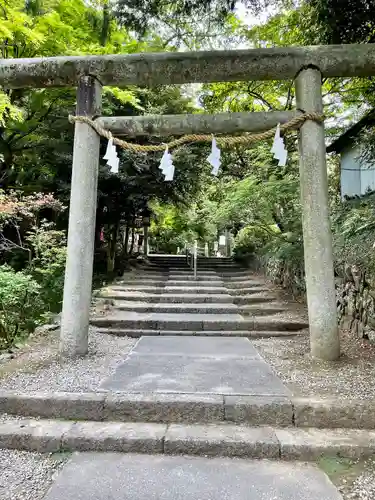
[(353, 230), (48, 264), (250, 242), (344, 21), (20, 305)]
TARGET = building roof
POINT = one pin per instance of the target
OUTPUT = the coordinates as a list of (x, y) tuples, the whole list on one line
[(347, 137)]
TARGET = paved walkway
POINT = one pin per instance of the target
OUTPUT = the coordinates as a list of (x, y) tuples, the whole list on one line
[(217, 365), (142, 477), (193, 364)]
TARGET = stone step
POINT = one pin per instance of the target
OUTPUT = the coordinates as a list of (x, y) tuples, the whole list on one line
[(167, 299), (253, 334), (238, 274), (199, 283), (139, 288), (214, 440), (247, 291), (244, 284), (200, 308), (140, 282), (196, 289), (159, 321), (110, 476), (199, 278), (189, 272), (253, 410), (177, 308), (254, 298), (165, 288)]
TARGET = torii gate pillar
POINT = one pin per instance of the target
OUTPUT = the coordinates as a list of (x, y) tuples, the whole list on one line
[(317, 237), (82, 217)]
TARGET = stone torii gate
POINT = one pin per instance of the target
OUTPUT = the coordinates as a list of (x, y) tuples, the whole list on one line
[(306, 65)]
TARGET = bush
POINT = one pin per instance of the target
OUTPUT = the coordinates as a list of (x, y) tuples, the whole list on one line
[(21, 305), (48, 265), (250, 242)]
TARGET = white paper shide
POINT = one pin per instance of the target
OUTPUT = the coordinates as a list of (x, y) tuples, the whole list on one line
[(278, 148), (214, 158), (111, 156), (166, 165)]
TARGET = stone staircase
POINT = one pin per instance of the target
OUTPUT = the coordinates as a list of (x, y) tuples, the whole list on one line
[(193, 412), (163, 298)]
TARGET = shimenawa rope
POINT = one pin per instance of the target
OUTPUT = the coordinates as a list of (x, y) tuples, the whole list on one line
[(244, 139)]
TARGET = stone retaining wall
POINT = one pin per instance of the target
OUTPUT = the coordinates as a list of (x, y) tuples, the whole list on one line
[(356, 302), (355, 294)]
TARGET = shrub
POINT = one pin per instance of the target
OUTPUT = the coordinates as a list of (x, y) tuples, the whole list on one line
[(48, 265), (20, 305), (250, 241)]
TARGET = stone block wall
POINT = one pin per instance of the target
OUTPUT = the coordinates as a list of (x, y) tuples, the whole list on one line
[(356, 302), (355, 294)]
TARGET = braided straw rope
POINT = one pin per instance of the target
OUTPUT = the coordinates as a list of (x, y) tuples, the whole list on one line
[(292, 124)]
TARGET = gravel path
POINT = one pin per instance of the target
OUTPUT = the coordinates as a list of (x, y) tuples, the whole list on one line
[(40, 369), (358, 482), (27, 476), (351, 377)]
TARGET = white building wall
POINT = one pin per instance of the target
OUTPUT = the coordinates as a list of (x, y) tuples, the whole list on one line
[(357, 177), (350, 173)]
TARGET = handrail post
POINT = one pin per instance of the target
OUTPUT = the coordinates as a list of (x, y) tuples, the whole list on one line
[(195, 258)]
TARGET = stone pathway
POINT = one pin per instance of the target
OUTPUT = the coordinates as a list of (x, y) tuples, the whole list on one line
[(193, 386), (198, 365)]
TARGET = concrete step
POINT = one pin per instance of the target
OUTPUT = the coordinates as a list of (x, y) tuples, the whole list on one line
[(167, 298), (200, 283), (199, 278), (253, 410), (226, 440), (205, 308), (110, 476), (253, 334), (237, 273), (244, 284), (140, 282), (178, 308), (254, 298), (247, 291), (139, 288), (196, 289), (170, 321)]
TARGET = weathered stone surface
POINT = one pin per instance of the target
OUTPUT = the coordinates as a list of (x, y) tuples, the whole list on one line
[(164, 408), (259, 410), (316, 222), (43, 436), (203, 308), (143, 477), (192, 346), (66, 405), (221, 440), (310, 444), (82, 219), (331, 413), (200, 283), (220, 123), (184, 374), (113, 436)]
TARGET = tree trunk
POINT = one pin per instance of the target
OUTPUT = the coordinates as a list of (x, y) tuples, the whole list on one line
[(126, 239), (105, 25), (111, 249), (132, 241)]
